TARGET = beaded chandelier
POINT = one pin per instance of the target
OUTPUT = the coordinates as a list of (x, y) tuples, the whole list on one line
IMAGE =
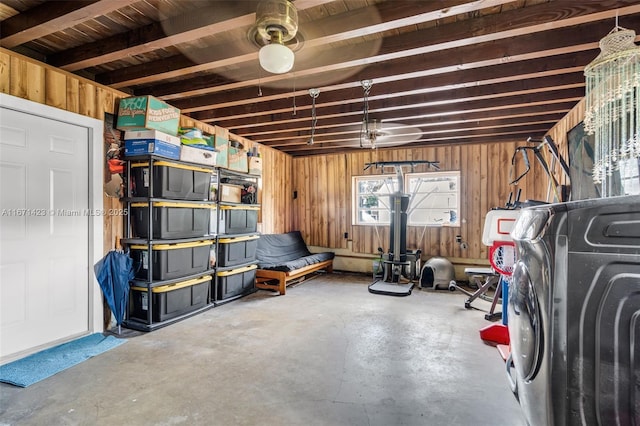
[(613, 102)]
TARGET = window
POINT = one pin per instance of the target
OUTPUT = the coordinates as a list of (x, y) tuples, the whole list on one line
[(434, 198), (630, 176)]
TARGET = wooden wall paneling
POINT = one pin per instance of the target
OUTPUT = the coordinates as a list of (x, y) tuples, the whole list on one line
[(357, 234), (485, 169), (454, 163), (72, 95), (5, 73), (465, 207), (314, 188), (56, 88), (302, 185), (344, 187), (107, 101), (29, 79), (326, 184), (87, 99), (285, 174), (18, 81), (296, 202), (331, 196), (444, 236), (474, 199), (275, 211)]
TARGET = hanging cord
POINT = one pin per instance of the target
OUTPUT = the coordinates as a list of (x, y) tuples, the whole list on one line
[(314, 118), (364, 126), (294, 96)]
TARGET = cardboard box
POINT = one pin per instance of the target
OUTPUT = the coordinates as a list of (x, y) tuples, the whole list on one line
[(222, 148), (147, 113), (230, 193), (151, 146), (255, 166), (198, 155), (151, 134), (238, 159)]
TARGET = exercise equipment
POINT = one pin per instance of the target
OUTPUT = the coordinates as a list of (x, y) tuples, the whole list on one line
[(552, 184), (400, 267)]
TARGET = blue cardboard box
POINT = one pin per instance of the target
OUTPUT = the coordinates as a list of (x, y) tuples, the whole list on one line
[(134, 147)]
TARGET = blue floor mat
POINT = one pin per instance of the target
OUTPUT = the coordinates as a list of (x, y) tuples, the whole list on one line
[(46, 363)]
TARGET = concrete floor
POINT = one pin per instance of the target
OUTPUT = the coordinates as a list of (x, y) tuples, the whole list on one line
[(327, 353)]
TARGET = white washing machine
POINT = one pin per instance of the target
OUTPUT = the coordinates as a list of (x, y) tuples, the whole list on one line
[(574, 313)]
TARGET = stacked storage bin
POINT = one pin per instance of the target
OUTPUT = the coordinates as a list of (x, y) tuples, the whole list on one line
[(167, 225), (170, 243), (235, 227)]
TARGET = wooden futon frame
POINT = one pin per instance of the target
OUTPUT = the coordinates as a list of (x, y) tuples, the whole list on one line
[(265, 277)]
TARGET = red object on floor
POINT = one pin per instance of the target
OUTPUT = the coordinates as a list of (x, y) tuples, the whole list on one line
[(504, 351), (497, 334)]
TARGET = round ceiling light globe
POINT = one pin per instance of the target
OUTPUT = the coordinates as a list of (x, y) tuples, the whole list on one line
[(276, 58)]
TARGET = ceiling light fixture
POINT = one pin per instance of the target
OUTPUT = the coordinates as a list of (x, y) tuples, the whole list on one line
[(277, 22), (371, 132), (314, 119), (365, 128)]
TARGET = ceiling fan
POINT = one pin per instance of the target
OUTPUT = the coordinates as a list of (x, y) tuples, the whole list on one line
[(301, 50), (276, 24), (378, 134)]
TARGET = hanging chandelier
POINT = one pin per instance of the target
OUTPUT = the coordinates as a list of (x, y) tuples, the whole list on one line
[(613, 103)]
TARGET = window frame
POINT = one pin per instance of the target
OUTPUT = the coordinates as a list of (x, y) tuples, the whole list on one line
[(356, 217)]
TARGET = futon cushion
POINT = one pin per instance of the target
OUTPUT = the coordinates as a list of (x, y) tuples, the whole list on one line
[(286, 252)]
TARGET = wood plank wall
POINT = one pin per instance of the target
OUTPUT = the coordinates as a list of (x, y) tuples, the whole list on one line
[(323, 213), (26, 78), (313, 194)]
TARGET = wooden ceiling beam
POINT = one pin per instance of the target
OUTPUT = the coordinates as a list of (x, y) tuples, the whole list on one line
[(46, 19), (508, 53), (479, 115), (503, 73), (332, 133), (214, 18), (504, 26), (183, 28), (508, 24), (380, 105), (322, 32), (465, 138)]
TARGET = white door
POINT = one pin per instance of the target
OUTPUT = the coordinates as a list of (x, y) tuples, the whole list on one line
[(44, 231)]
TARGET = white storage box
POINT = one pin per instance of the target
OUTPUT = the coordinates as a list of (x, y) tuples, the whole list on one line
[(198, 155), (151, 135)]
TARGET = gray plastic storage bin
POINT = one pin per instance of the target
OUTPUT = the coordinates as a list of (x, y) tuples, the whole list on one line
[(171, 180), (237, 250), (169, 261), (235, 282), (169, 301), (171, 220), (237, 219)]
